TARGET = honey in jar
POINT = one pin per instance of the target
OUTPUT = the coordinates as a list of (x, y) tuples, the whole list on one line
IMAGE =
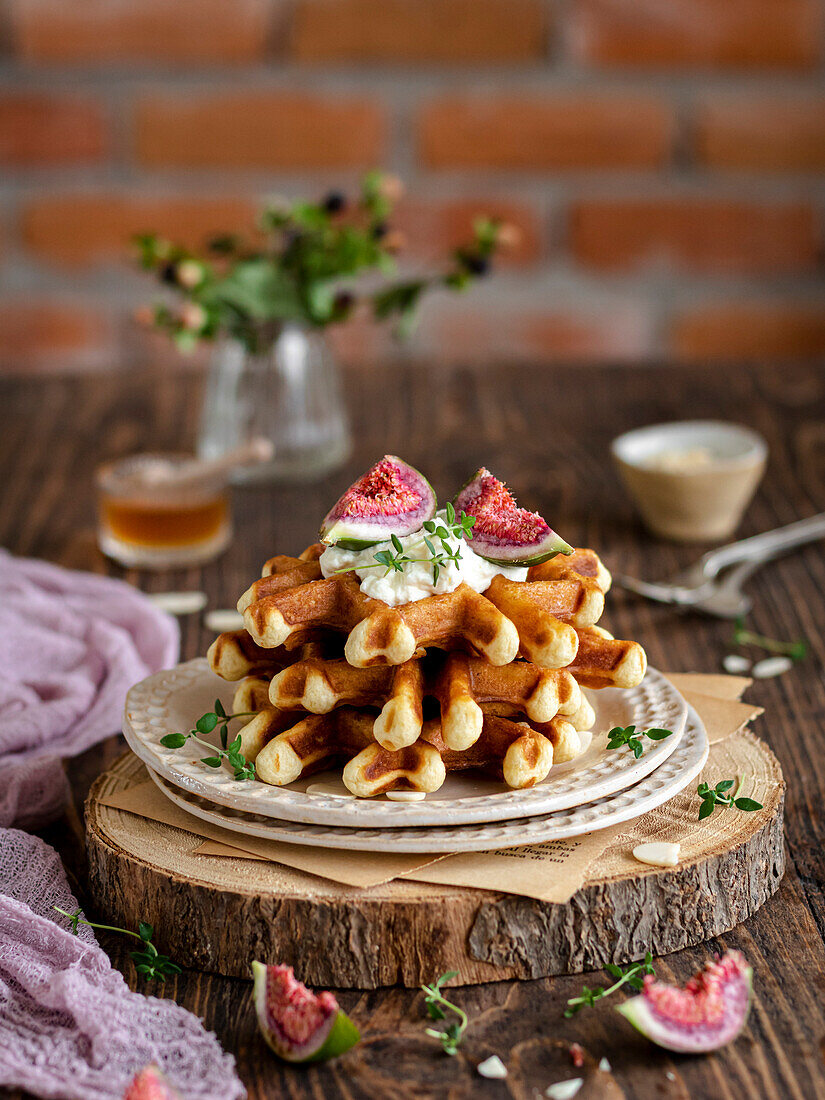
[(156, 511)]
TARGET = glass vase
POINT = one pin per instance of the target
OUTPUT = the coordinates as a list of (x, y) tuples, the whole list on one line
[(289, 393)]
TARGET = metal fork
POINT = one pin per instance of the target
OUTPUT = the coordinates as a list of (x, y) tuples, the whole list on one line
[(714, 584)]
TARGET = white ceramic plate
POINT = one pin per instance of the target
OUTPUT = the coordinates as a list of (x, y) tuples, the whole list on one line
[(667, 780), (172, 701)]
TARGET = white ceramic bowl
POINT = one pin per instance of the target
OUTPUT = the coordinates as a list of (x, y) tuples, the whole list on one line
[(692, 479)]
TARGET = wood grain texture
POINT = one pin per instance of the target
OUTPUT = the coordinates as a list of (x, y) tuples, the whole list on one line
[(217, 914), (547, 432)]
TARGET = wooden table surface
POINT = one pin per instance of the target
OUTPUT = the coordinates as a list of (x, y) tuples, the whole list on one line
[(547, 433)]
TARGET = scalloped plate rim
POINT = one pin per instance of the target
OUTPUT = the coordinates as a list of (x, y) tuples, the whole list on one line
[(684, 765), (288, 803)]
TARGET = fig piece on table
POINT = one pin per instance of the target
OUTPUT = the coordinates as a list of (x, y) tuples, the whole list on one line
[(297, 1024), (707, 1014)]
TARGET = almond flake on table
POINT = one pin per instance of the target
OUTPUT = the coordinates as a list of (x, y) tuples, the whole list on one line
[(492, 1067), (223, 619), (657, 853), (771, 666), (736, 665), (179, 603), (565, 1090), (406, 796)]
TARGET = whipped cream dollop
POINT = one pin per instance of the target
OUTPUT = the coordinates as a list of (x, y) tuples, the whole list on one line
[(415, 581)]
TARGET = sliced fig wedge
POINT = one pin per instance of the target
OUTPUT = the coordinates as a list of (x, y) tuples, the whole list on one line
[(503, 532), (391, 498), (297, 1024), (708, 1013)]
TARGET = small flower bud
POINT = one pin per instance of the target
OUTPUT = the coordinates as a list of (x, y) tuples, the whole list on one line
[(335, 202), (509, 235), (477, 265), (390, 188), (394, 240), (192, 316), (190, 274)]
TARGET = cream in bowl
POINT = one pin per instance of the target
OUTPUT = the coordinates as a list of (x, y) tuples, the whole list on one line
[(693, 479)]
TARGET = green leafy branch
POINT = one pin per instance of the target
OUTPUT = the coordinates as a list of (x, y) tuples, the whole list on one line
[(632, 975), (797, 650), (302, 267), (627, 735), (720, 796), (148, 960), (436, 1004), (243, 768)]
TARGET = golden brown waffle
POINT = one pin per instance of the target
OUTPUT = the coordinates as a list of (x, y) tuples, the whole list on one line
[(460, 684), (537, 617), (516, 752), (400, 696)]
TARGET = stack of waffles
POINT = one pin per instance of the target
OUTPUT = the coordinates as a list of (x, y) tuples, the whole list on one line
[(399, 696)]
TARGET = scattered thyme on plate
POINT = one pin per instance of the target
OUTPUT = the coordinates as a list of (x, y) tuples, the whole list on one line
[(243, 768), (631, 975), (436, 1002), (148, 961), (720, 796), (628, 735)]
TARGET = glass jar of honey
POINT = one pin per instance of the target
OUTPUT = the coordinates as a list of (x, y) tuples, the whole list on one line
[(162, 511)]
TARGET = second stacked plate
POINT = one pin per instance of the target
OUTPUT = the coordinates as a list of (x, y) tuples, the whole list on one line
[(599, 788)]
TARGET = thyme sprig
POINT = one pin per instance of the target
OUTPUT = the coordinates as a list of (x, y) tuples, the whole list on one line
[(628, 735), (720, 796), (632, 975), (447, 531), (797, 650), (242, 768), (436, 1003), (148, 961)]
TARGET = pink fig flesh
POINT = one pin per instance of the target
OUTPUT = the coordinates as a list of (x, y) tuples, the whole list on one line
[(502, 531), (708, 1013), (297, 1024), (392, 497)]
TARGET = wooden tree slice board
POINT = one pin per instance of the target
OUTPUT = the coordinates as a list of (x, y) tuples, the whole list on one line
[(218, 913)]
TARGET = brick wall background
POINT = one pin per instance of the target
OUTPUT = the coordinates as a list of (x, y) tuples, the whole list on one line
[(664, 159)]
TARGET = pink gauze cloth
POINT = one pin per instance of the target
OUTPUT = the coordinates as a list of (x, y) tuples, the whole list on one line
[(71, 645)]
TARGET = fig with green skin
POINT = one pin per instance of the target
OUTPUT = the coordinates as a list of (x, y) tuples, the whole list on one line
[(708, 1013), (503, 532), (150, 1084), (391, 498), (298, 1025)]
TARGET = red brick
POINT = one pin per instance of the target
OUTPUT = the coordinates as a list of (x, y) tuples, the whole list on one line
[(786, 134), (260, 130), (434, 227), (750, 332), (40, 130), (557, 334), (51, 336), (694, 235), (408, 31), (85, 229), (738, 34), (546, 132), (154, 31)]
